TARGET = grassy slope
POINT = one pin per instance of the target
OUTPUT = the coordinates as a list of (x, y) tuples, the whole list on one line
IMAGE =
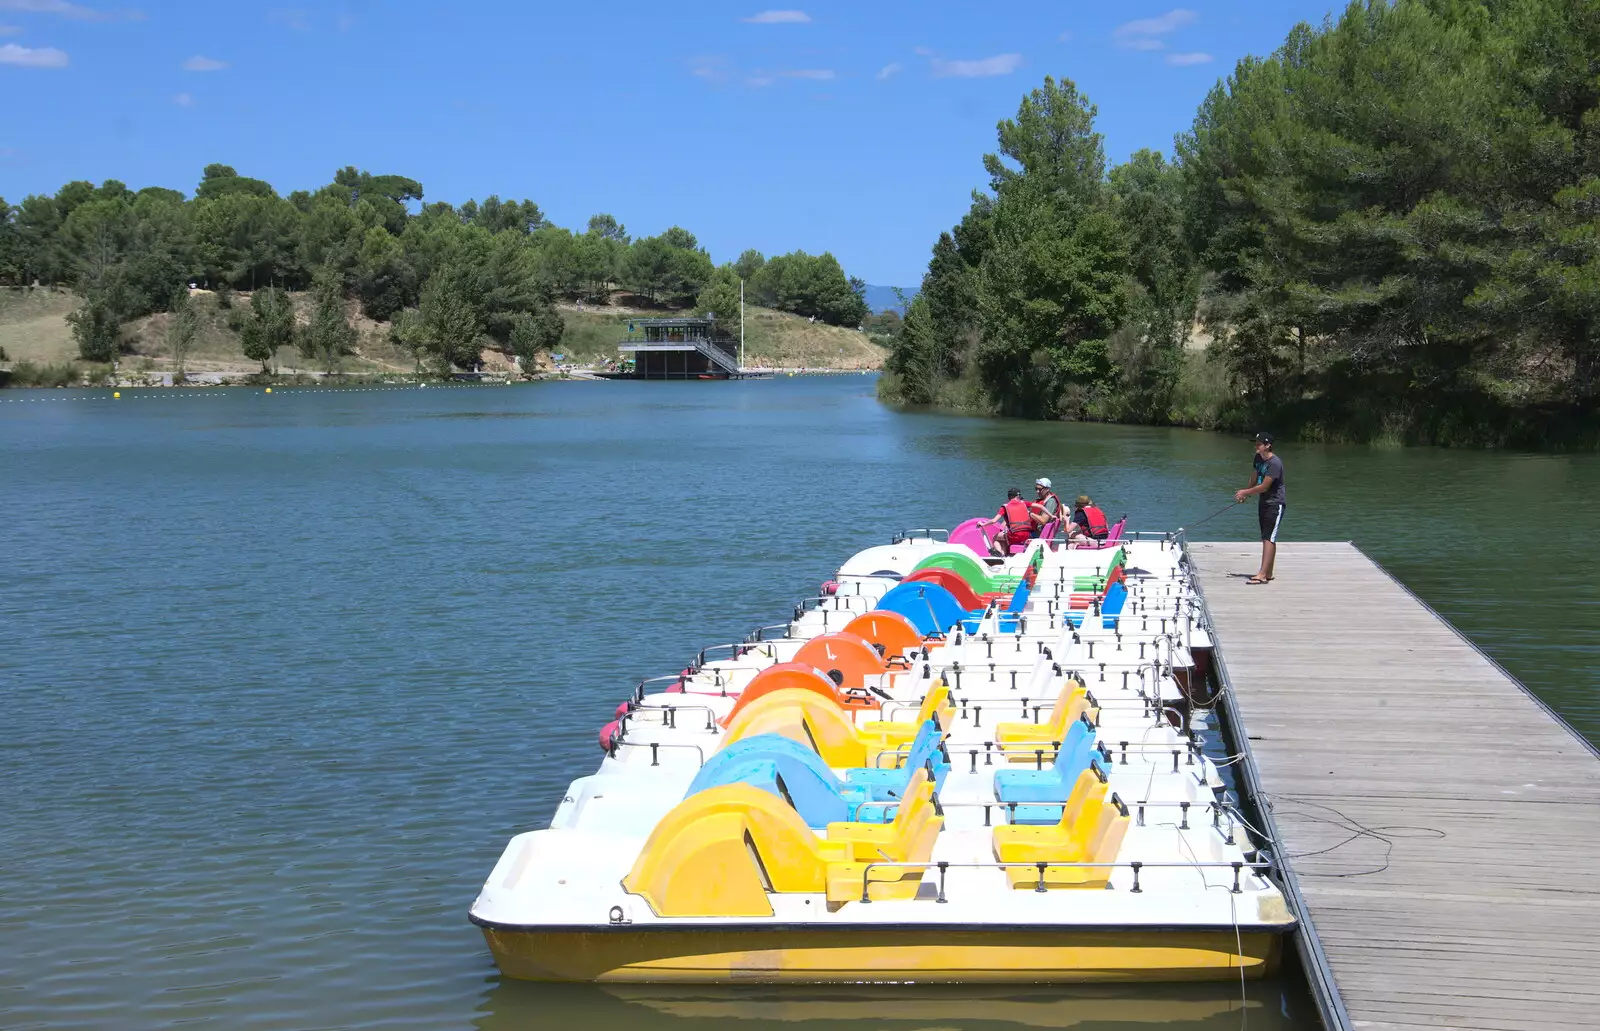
[(771, 338), (788, 341), (33, 328), (217, 346)]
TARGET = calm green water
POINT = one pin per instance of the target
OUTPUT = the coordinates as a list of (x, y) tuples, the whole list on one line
[(280, 675)]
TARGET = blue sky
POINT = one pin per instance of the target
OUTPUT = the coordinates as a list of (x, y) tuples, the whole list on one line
[(851, 127)]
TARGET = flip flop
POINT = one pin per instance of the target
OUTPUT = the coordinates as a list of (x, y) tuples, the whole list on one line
[(1255, 580)]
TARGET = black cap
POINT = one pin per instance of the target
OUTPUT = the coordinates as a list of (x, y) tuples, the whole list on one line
[(1013, 493), (1263, 437)]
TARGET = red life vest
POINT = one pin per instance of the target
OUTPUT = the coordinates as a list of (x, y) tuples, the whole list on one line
[(1097, 522), (1018, 524), (1044, 510)]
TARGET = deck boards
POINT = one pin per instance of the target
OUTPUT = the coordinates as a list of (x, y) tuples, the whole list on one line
[(1363, 707)]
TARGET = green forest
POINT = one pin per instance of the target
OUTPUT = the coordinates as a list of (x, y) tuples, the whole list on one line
[(1388, 230), (449, 280)]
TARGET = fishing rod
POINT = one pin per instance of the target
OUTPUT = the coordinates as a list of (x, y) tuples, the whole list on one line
[(1208, 518)]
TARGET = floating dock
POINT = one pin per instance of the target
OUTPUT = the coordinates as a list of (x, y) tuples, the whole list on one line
[(1440, 826)]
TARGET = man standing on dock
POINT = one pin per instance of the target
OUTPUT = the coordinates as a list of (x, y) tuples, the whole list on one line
[(1268, 472)]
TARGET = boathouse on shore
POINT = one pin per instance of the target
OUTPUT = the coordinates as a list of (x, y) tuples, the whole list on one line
[(681, 348)]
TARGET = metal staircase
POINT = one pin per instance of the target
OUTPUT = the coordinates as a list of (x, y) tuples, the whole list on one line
[(717, 356)]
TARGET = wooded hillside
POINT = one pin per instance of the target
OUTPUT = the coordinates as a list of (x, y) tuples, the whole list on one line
[(1389, 229), (448, 281)]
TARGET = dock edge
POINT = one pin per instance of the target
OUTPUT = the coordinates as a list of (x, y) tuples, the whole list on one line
[(1313, 960)]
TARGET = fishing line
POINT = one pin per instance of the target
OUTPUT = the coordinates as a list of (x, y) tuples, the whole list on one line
[(1208, 518)]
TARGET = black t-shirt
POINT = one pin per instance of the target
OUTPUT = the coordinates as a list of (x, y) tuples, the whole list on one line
[(1272, 467), (1081, 519)]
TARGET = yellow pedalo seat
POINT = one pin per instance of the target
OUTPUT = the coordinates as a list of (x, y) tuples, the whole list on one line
[(719, 852), (1090, 830), (936, 705), (1019, 740)]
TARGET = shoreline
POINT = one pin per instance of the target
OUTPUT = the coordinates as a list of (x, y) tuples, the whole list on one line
[(1560, 431), (213, 381)]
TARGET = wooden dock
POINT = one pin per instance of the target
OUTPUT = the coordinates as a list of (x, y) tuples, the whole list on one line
[(1441, 826)]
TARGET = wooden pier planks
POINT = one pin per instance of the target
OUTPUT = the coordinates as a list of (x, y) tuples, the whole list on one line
[(1364, 707)]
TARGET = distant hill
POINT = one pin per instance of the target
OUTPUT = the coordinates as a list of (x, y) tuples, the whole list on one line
[(773, 339), (882, 298), (34, 329)]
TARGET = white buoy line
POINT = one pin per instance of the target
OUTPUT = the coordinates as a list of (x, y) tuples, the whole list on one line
[(139, 394)]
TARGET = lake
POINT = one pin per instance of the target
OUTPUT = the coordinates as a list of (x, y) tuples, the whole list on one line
[(282, 673)]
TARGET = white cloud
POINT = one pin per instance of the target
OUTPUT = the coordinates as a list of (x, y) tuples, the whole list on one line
[(1160, 25), (204, 64), (1142, 34), (77, 12), (183, 100), (1186, 59), (819, 74), (1065, 37), (758, 81), (999, 64), (33, 57), (892, 68), (924, 52), (778, 18), (710, 67), (10, 30)]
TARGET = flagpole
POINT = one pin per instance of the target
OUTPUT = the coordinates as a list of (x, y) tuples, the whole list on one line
[(741, 325)]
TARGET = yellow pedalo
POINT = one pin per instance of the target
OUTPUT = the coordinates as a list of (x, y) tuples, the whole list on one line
[(800, 839)]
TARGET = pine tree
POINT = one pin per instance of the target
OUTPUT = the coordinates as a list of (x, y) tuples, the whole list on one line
[(1052, 285), (451, 323), (269, 326), (329, 333), (182, 327)]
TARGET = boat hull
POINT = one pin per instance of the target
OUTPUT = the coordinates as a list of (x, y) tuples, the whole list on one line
[(927, 954)]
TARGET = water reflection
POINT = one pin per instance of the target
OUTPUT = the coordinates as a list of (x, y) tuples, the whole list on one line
[(519, 1006)]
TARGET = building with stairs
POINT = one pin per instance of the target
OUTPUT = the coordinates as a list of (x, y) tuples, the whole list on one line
[(681, 348)]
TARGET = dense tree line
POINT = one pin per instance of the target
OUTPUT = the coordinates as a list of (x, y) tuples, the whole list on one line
[(450, 280), (1386, 228)]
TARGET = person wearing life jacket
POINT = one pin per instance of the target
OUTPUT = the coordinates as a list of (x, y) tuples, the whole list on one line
[(1088, 521), (1015, 522), (1046, 507)]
